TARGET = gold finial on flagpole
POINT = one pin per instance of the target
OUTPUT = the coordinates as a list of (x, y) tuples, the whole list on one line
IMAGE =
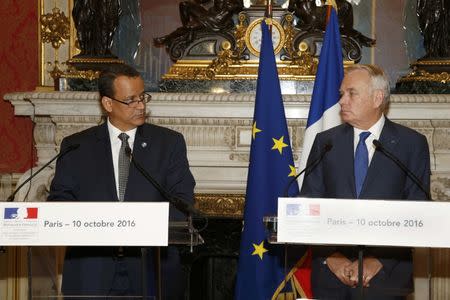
[(332, 3)]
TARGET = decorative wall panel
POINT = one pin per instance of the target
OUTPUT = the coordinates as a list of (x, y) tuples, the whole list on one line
[(19, 72)]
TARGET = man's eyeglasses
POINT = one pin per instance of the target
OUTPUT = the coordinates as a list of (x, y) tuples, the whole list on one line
[(144, 98)]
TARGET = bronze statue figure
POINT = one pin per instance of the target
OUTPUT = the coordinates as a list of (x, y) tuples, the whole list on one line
[(434, 21), (96, 22), (313, 18), (310, 16), (127, 36), (202, 15)]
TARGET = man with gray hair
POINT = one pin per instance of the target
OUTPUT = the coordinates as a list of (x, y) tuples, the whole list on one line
[(353, 169)]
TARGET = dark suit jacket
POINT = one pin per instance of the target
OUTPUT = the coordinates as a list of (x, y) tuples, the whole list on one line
[(87, 174), (334, 178)]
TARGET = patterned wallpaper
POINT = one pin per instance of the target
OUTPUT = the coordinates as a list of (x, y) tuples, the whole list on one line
[(18, 72)]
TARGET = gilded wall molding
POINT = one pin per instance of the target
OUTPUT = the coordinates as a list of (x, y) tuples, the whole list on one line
[(222, 205)]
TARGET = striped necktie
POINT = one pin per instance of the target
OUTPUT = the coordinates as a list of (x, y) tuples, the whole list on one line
[(124, 165)]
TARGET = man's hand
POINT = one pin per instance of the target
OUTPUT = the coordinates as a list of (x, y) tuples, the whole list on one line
[(371, 267), (341, 267)]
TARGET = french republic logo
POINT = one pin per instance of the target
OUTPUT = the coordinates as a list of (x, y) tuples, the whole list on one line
[(20, 213)]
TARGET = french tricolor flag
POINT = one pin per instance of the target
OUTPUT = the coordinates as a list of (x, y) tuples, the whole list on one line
[(21, 213), (324, 109)]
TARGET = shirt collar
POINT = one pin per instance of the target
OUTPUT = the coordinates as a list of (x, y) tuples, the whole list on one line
[(114, 133), (375, 130)]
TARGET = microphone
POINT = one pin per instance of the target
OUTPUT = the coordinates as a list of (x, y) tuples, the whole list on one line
[(409, 173), (311, 165), (60, 154), (180, 204)]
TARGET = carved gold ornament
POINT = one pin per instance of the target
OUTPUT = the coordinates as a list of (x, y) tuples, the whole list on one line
[(74, 73), (422, 75), (55, 28)]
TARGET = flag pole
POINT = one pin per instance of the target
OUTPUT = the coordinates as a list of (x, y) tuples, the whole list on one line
[(330, 4), (268, 15)]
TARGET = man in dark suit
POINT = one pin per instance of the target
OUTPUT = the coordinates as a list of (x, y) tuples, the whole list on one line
[(353, 169), (95, 172)]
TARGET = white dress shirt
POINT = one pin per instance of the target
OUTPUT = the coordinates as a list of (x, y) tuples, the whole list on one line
[(375, 132), (116, 143)]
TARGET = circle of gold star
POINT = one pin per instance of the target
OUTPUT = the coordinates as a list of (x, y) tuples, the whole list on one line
[(259, 250), (293, 171), (279, 144), (255, 130)]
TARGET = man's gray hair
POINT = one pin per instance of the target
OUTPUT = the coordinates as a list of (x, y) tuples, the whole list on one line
[(379, 79)]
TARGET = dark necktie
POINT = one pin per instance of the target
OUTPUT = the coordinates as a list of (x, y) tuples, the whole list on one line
[(124, 165), (361, 161)]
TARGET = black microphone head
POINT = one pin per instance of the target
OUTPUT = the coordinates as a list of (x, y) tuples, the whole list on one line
[(377, 144)]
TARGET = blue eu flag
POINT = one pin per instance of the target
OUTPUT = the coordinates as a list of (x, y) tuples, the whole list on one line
[(261, 265)]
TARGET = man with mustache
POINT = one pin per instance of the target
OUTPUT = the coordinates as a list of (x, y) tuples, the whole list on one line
[(92, 173)]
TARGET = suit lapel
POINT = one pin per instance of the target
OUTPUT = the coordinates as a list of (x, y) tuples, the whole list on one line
[(103, 156), (141, 148), (387, 138), (141, 143)]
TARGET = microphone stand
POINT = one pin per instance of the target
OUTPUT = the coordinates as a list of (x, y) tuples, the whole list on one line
[(181, 205), (326, 148), (65, 151), (311, 166), (11, 199), (360, 271), (30, 272), (379, 147), (144, 272)]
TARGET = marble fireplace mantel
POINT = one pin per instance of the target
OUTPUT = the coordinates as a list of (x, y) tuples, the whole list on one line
[(217, 129)]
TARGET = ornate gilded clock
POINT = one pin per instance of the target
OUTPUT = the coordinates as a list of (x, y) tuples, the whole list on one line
[(253, 36)]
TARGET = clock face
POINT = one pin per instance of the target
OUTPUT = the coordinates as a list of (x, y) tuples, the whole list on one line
[(253, 36)]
